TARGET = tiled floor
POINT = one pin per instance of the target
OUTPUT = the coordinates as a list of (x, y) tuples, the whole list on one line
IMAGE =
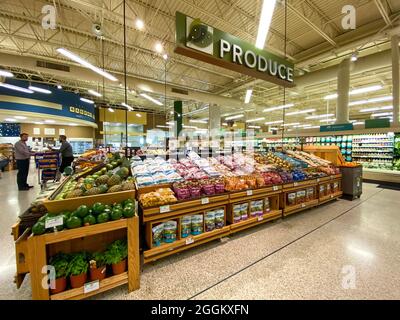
[(341, 250)]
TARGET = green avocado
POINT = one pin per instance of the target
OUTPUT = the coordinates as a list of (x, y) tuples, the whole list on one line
[(126, 202), (116, 214), (38, 228), (82, 211), (89, 220), (98, 208), (103, 217), (128, 212), (73, 222)]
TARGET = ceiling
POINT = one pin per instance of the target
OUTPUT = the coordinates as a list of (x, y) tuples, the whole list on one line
[(315, 40)]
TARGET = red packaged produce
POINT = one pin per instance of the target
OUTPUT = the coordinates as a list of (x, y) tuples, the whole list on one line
[(208, 189), (195, 191)]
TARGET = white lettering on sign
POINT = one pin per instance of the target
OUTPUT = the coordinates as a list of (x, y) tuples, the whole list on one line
[(251, 63), (262, 64), (281, 69), (224, 47), (237, 54)]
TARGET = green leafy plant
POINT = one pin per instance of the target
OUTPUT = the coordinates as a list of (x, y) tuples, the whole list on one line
[(60, 262), (98, 260), (116, 252), (78, 264)]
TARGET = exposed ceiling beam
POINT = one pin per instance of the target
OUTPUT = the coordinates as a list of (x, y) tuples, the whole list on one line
[(383, 12)]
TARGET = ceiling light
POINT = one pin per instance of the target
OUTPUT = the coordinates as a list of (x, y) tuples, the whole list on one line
[(189, 127), (275, 129), (20, 117), (139, 24), (376, 109), (248, 96), (160, 126), (302, 125), (86, 64), (38, 123), (320, 116), (273, 122), (291, 124), (234, 117), (265, 21), (254, 127), (159, 47), (111, 109), (127, 106), (16, 88), (10, 120), (37, 89), (357, 123), (224, 124), (300, 112), (366, 89), (198, 121), (354, 57), (165, 56), (6, 74), (255, 120), (49, 121), (94, 93), (86, 100), (72, 124), (285, 106), (327, 120), (171, 123), (381, 114), (313, 127), (373, 100), (138, 115), (144, 95), (59, 86), (331, 96), (171, 112)]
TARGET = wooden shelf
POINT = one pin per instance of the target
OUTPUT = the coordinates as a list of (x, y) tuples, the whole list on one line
[(299, 185), (105, 284), (249, 223), (179, 245), (254, 193), (330, 197), (299, 207)]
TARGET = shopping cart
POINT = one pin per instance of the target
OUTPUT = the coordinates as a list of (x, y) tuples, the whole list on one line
[(47, 165)]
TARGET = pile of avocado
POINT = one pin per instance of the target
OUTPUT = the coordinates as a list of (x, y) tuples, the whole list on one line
[(85, 216)]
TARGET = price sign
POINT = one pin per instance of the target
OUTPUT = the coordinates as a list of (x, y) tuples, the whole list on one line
[(205, 200), (275, 188), (164, 209), (54, 222), (189, 240), (249, 192), (303, 205), (318, 180), (91, 286), (260, 218), (331, 196)]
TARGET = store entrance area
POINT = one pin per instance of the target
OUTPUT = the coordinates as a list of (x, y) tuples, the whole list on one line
[(340, 250)]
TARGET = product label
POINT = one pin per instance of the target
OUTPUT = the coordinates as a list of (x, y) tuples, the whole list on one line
[(189, 240), (91, 286), (303, 205), (54, 222), (205, 200), (275, 188), (164, 209), (331, 196), (249, 192), (318, 180), (295, 184), (260, 218)]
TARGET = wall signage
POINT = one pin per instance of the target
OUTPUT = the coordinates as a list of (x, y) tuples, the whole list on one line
[(202, 42), (336, 127)]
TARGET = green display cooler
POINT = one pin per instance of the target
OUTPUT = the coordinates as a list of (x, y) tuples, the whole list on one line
[(352, 181)]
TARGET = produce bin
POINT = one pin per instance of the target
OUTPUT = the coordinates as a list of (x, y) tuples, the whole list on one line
[(352, 181)]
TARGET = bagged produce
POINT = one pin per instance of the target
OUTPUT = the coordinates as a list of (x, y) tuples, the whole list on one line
[(291, 198), (209, 221), (267, 206), (197, 224), (301, 196), (219, 218), (310, 194), (335, 187), (328, 188), (186, 226), (170, 228), (158, 234), (237, 212), (322, 190), (244, 211), (256, 208)]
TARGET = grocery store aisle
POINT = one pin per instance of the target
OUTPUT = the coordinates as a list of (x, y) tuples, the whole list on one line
[(302, 256)]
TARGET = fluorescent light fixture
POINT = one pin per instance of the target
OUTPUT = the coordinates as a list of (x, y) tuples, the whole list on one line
[(126, 106), (313, 127), (235, 117), (94, 93), (86, 64), (160, 126), (138, 115), (72, 124), (285, 106), (6, 74), (255, 120), (224, 124), (376, 109), (198, 121), (38, 122), (10, 120), (111, 109), (382, 114), (300, 112), (366, 89), (20, 117), (357, 103), (320, 116), (171, 123), (139, 24), (270, 129), (189, 127), (37, 89), (16, 88), (59, 86), (357, 123), (248, 96), (302, 125), (373, 100), (254, 127), (49, 121), (291, 124), (165, 56), (159, 47), (273, 122), (146, 96), (265, 21), (327, 120), (86, 100), (331, 96), (354, 57)]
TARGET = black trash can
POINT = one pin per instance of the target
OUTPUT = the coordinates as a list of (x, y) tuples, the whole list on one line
[(351, 181)]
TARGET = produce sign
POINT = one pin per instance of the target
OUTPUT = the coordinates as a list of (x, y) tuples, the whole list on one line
[(197, 40)]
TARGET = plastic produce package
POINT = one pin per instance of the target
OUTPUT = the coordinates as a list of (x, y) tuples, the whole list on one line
[(170, 228), (291, 198), (237, 212), (209, 221), (244, 211), (197, 224), (267, 205), (219, 218), (158, 234), (186, 226), (256, 208)]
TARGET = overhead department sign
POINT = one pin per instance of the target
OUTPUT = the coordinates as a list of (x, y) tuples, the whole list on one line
[(202, 42)]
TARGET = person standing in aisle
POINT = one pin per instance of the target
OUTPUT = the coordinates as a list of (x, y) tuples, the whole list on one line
[(23, 157), (67, 155)]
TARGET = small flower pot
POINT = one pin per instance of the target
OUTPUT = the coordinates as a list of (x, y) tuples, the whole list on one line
[(78, 281), (97, 273), (60, 285), (119, 267)]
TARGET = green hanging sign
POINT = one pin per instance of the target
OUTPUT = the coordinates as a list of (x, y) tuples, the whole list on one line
[(199, 41), (336, 127), (377, 123)]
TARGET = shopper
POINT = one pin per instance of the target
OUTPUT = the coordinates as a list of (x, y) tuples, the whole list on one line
[(23, 157), (67, 155)]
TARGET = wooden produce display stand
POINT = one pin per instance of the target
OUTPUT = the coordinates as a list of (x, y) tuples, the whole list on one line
[(305, 196), (329, 188), (273, 211), (175, 212), (329, 153)]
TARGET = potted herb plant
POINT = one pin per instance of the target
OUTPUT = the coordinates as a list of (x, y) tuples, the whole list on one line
[(60, 263), (116, 255), (97, 266), (77, 269)]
